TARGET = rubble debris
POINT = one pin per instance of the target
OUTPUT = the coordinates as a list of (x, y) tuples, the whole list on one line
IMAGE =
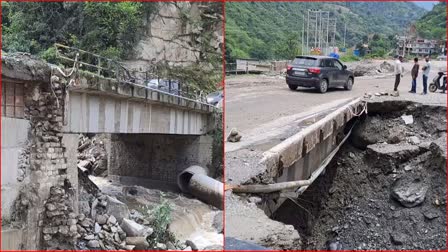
[(234, 136), (64, 229), (92, 156), (334, 245), (370, 68), (24, 162), (408, 119), (385, 192), (414, 140)]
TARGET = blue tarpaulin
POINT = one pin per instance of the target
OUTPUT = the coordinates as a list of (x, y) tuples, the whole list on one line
[(334, 55)]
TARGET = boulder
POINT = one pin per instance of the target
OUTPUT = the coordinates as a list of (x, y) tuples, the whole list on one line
[(117, 208), (93, 244), (133, 229), (397, 238), (101, 219), (140, 243), (112, 220), (385, 156), (409, 191)]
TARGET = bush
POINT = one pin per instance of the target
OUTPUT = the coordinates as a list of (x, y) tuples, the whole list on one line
[(161, 218), (49, 55), (349, 58)]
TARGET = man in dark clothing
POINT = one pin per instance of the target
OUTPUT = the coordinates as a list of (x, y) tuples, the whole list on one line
[(414, 74)]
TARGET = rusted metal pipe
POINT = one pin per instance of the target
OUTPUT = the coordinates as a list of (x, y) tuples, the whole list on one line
[(268, 188), (195, 181)]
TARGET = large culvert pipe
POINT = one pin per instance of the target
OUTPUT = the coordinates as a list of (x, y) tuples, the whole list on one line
[(195, 181)]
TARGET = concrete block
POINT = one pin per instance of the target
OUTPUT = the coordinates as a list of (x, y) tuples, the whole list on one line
[(139, 92), (124, 89), (289, 150), (311, 140), (327, 129), (339, 119)]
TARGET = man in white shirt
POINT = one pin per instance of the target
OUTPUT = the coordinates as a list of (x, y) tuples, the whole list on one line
[(426, 68), (398, 70)]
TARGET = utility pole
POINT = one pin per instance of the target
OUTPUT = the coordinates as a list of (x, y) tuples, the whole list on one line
[(318, 29), (345, 32), (326, 44), (303, 32), (307, 30), (315, 31)]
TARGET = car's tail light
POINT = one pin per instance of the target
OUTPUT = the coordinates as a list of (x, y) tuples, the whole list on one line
[(288, 68), (314, 70)]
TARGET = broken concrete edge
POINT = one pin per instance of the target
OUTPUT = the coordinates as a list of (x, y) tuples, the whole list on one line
[(25, 67), (93, 83), (295, 147)]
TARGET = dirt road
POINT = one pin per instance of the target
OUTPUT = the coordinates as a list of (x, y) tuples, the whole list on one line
[(252, 100)]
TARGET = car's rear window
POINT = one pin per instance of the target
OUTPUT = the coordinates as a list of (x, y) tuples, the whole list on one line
[(308, 62)]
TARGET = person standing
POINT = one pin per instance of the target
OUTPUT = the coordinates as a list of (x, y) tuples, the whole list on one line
[(398, 70), (426, 68), (414, 74)]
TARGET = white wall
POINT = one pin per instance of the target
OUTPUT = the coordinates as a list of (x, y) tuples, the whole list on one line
[(14, 138)]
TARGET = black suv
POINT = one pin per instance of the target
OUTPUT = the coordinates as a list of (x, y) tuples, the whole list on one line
[(320, 72)]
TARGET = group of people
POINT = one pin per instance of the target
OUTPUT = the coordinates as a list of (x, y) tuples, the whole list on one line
[(398, 70)]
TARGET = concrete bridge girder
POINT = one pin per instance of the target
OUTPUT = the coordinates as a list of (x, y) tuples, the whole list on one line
[(97, 104)]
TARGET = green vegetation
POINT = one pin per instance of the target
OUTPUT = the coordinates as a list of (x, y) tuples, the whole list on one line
[(106, 28), (349, 57), (272, 30), (161, 218), (433, 24), (112, 30), (379, 46)]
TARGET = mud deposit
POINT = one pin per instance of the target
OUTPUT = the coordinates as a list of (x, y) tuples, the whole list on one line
[(385, 189)]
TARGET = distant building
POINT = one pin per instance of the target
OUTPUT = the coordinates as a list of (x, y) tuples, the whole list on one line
[(412, 44), (419, 46)]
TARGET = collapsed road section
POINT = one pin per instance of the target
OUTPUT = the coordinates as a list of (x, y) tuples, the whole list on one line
[(370, 174), (92, 163)]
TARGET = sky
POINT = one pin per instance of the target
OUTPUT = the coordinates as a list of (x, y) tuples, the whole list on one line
[(426, 4)]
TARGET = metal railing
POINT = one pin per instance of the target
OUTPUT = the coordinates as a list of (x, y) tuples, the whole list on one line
[(114, 69), (255, 66)]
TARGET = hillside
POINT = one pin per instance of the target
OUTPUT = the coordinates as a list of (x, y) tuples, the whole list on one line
[(268, 30), (433, 24), (183, 39)]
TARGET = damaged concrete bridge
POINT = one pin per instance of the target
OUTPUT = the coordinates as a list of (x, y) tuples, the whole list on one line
[(154, 135), (346, 175)]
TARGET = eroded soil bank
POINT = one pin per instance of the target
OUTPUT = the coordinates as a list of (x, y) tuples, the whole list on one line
[(385, 189)]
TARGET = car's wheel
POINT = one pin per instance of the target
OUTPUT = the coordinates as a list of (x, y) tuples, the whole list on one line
[(292, 87), (349, 84), (432, 87), (323, 86)]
